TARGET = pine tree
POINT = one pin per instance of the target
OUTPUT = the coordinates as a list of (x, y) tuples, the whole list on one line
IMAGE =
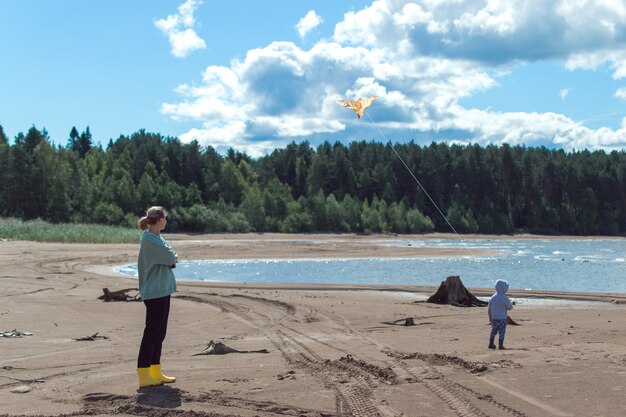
[(5, 158), (3, 137), (72, 141), (84, 143)]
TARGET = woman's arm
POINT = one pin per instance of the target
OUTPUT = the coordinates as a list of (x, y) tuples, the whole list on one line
[(161, 253)]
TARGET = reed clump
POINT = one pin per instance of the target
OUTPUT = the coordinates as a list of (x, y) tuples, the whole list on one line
[(42, 231)]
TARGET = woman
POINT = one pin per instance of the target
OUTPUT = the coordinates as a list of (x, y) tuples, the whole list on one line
[(156, 284)]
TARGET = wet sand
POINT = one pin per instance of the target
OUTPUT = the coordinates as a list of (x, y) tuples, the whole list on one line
[(333, 350)]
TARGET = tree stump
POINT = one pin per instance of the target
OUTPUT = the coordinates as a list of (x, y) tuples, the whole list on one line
[(120, 295), (218, 348), (452, 291)]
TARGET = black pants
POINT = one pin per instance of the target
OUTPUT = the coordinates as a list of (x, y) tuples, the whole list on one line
[(157, 313)]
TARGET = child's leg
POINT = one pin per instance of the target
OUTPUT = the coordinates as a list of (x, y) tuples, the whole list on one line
[(492, 335), (501, 334)]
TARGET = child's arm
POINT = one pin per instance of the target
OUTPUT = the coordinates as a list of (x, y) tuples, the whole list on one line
[(508, 304)]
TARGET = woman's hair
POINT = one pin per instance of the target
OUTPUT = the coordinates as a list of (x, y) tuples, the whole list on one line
[(153, 214)]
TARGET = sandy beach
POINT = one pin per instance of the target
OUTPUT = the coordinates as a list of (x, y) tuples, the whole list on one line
[(331, 350)]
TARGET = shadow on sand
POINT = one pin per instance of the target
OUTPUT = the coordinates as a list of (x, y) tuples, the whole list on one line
[(162, 397)]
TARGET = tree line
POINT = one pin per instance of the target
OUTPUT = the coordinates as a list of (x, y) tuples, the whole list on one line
[(362, 187)]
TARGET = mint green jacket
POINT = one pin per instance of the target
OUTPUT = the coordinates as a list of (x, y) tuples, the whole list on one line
[(154, 265)]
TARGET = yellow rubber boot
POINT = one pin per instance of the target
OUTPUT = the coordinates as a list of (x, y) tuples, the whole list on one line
[(155, 372), (146, 380)]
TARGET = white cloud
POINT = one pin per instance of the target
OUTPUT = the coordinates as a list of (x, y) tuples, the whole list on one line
[(421, 58), (518, 128), (185, 42), (489, 31), (230, 135), (179, 30), (591, 60), (309, 22), (564, 93), (621, 93)]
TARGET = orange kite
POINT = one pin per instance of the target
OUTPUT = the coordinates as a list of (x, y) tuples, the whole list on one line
[(359, 105)]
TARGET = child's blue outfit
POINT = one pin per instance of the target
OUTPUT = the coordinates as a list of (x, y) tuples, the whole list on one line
[(499, 305)]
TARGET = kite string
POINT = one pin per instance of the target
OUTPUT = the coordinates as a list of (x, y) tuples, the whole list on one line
[(426, 192)]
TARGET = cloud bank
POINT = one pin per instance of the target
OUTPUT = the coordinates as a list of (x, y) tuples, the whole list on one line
[(179, 30), (420, 58)]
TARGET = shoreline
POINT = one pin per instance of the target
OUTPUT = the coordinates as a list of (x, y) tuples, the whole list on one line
[(426, 290)]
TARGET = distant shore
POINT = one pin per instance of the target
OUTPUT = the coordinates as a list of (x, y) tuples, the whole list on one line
[(385, 236)]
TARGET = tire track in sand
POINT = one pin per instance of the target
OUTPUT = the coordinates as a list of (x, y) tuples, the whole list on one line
[(454, 394), (464, 401), (352, 389)]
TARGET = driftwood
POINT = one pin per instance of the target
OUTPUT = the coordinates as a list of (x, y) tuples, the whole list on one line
[(120, 295), (218, 348), (15, 333), (407, 322), (452, 291), (90, 338), (512, 322), (22, 389)]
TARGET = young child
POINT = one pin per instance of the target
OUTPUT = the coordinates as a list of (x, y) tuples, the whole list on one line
[(498, 306)]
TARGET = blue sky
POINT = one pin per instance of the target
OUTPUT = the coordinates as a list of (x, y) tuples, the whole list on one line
[(257, 75)]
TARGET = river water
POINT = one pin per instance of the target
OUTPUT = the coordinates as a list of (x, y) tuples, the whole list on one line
[(596, 265)]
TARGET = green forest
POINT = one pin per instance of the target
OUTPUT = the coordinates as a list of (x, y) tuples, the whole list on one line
[(362, 187)]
